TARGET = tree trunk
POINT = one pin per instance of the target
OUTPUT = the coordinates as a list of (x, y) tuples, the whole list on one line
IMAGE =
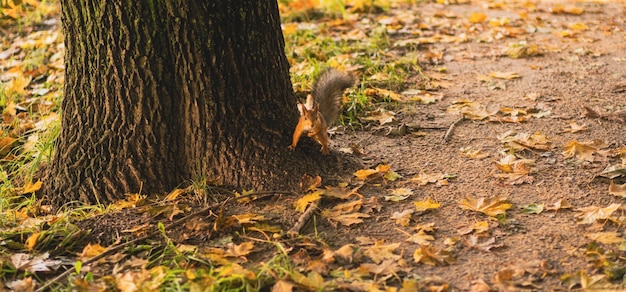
[(158, 94)]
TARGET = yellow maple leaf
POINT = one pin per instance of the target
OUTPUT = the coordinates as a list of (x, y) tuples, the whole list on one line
[(492, 207), (31, 241), (302, 203), (248, 218), (381, 170), (430, 256), (426, 205), (31, 187), (477, 17), (17, 86), (91, 250), (235, 270)]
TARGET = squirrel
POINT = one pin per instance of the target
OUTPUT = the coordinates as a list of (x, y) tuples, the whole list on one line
[(322, 107)]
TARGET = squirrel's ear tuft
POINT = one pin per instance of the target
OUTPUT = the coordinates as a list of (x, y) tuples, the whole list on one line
[(309, 102), (302, 109)]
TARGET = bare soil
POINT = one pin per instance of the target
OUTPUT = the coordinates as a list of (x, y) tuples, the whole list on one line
[(588, 69)]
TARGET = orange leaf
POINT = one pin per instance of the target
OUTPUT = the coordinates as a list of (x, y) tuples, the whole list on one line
[(477, 17)]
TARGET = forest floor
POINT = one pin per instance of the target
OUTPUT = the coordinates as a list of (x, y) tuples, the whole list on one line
[(496, 161)]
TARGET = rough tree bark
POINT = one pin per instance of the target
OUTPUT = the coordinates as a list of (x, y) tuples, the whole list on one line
[(159, 93)]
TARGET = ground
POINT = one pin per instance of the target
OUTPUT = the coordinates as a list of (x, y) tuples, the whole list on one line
[(570, 73), (529, 109)]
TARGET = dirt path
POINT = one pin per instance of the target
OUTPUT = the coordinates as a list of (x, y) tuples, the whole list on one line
[(586, 68)]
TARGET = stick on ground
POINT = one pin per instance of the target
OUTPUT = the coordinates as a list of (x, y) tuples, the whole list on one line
[(446, 137)]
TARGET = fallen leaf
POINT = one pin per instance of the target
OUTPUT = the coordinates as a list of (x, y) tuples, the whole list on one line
[(426, 205), (91, 250), (472, 153), (423, 179), (6, 145), (31, 187), (575, 127), (302, 203), (282, 286), (173, 195), (382, 116), (590, 214), (473, 241), (617, 190), (381, 251), (521, 50), (23, 285), (387, 267), (582, 150), (477, 17), (239, 250), (532, 208), (40, 263), (504, 75), (248, 218), (560, 204), (478, 227), (399, 194), (31, 241), (492, 207), (605, 237), (346, 252), (613, 171), (421, 238), (430, 256), (403, 218)]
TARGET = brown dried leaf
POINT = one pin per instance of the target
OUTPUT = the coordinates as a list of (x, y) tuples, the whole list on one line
[(617, 190), (560, 204), (605, 237), (381, 251), (421, 238), (403, 218), (582, 150), (590, 214)]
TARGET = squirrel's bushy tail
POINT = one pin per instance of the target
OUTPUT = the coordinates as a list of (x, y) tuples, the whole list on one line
[(328, 92)]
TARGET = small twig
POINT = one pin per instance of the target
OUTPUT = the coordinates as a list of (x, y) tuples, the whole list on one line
[(449, 131), (304, 218), (116, 248)]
